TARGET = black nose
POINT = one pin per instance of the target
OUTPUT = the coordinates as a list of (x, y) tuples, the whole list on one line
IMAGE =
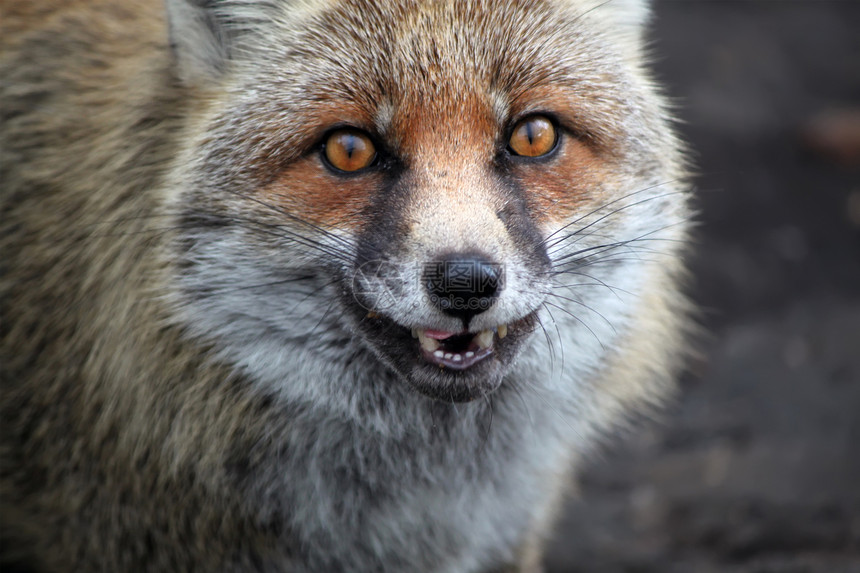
[(463, 285)]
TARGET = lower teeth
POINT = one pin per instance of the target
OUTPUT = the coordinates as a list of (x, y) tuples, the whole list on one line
[(483, 340)]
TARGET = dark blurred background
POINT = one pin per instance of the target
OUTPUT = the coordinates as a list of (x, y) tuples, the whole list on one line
[(756, 467)]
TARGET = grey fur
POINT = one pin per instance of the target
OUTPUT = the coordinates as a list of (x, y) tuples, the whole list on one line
[(186, 383)]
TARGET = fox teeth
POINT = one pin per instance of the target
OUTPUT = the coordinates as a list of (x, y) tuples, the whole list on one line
[(484, 339), (427, 343), (414, 333), (503, 331)]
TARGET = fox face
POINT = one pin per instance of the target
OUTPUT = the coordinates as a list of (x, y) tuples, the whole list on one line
[(453, 190)]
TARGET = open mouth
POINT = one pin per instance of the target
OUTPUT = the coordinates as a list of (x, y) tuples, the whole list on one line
[(446, 365), (458, 350)]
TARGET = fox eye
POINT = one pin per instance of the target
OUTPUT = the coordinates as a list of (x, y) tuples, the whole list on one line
[(349, 150), (533, 136)]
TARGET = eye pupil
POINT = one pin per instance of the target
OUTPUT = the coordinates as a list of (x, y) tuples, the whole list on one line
[(349, 145), (349, 150)]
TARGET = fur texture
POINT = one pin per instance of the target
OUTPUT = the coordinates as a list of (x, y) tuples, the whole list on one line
[(191, 378)]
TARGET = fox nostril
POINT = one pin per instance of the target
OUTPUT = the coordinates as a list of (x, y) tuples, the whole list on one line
[(463, 285)]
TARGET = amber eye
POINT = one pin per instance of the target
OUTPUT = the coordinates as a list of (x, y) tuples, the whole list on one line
[(533, 136), (349, 150)]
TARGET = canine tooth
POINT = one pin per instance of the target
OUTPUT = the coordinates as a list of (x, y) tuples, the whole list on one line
[(427, 343), (414, 333), (503, 331), (485, 338)]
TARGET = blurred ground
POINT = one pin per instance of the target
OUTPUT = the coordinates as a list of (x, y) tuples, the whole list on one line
[(756, 469)]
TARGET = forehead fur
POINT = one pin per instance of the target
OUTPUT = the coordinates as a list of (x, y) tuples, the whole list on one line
[(510, 45), (430, 68), (439, 52)]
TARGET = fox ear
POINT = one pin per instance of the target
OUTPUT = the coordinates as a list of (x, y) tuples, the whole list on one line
[(204, 33), (630, 13), (625, 16)]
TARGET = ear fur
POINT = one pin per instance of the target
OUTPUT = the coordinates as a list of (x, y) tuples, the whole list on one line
[(628, 14), (204, 33)]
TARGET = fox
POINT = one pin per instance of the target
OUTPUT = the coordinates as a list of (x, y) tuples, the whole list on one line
[(326, 285)]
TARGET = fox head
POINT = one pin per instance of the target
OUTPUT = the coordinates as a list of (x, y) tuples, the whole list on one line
[(442, 194)]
